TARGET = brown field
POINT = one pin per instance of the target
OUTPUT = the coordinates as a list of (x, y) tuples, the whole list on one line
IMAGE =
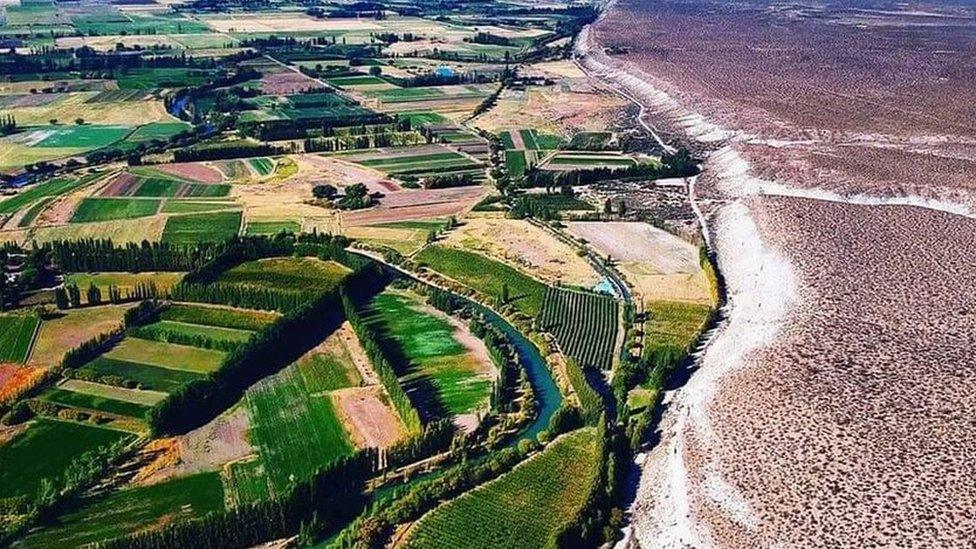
[(286, 81), (192, 171), (416, 204), (571, 106), (122, 184), (70, 329), (657, 264), (282, 23), (525, 246), (120, 231), (366, 412)]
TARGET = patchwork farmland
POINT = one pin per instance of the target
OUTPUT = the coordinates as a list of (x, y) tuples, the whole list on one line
[(274, 272)]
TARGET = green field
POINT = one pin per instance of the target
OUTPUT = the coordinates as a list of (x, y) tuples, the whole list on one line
[(150, 377), (125, 511), (17, 336), (196, 228), (523, 508), (157, 130), (515, 162), (440, 373), (93, 402), (353, 81), (82, 136), (166, 330), (31, 214), (45, 450), (485, 275), (673, 326), (263, 166), (287, 273), (295, 430), (108, 209), (166, 355), (328, 372), (241, 319), (559, 202), (196, 206), (584, 324), (610, 161), (272, 227), (54, 187)]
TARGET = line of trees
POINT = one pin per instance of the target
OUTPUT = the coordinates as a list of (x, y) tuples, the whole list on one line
[(91, 255)]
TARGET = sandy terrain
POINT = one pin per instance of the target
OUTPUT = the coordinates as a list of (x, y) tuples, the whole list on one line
[(657, 264), (365, 411), (571, 106), (206, 448), (831, 408), (526, 246)]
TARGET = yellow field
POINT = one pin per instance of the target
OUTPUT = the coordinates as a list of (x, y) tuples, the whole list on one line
[(70, 329), (73, 106), (524, 246), (120, 231)]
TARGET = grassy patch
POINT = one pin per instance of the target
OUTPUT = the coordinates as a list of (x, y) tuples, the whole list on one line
[(16, 337), (161, 330), (523, 508), (515, 162), (55, 187), (263, 166), (125, 282), (287, 273), (126, 511), (82, 136), (167, 355), (45, 450), (94, 402), (272, 227), (151, 377), (672, 328), (107, 209), (295, 430), (241, 319), (435, 359), (194, 228), (328, 372), (485, 275)]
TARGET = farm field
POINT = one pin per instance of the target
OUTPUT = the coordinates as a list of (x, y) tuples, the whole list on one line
[(108, 209), (216, 315), (80, 397), (166, 355), (125, 282), (523, 508), (55, 187), (524, 245), (485, 275), (196, 228), (445, 369), (659, 265), (68, 330), (271, 227), (132, 509), (45, 450), (295, 430), (150, 377), (17, 336), (289, 274), (584, 324)]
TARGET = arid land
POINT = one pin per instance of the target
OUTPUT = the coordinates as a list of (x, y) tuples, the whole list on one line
[(832, 406)]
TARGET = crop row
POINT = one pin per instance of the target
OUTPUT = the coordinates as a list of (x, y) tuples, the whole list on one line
[(585, 325)]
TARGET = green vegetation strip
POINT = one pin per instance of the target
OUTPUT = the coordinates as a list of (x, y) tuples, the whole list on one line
[(55, 187), (241, 319), (167, 355), (124, 511), (16, 337), (486, 275), (108, 209), (197, 228), (150, 377), (93, 402), (290, 273), (524, 508), (44, 451)]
